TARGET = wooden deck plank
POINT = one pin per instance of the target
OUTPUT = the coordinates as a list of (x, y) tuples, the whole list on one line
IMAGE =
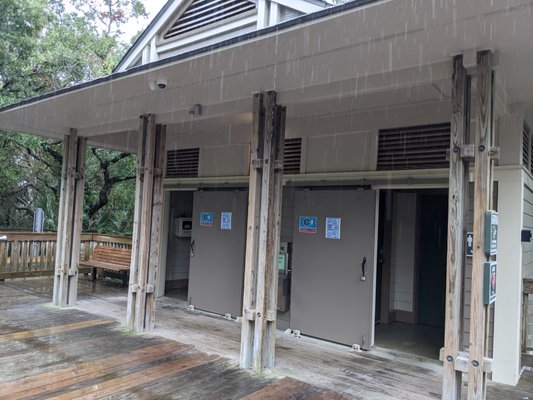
[(56, 379), (22, 351), (136, 379), (74, 347), (215, 380), (284, 388), (53, 329), (329, 371)]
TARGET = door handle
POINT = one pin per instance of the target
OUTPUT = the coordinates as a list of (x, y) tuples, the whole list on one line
[(363, 274), (192, 248)]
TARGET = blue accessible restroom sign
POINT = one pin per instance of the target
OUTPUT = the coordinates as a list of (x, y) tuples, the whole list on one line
[(307, 224), (206, 219)]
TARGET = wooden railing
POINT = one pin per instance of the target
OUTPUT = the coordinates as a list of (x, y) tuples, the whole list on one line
[(27, 254)]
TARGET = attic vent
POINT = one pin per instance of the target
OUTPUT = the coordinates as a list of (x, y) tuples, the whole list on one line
[(292, 156), (182, 163), (202, 13), (527, 147), (415, 147)]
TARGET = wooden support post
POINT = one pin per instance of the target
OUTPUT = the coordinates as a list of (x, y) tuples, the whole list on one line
[(482, 195), (155, 236), (457, 204), (139, 182), (70, 221), (146, 225), (262, 242)]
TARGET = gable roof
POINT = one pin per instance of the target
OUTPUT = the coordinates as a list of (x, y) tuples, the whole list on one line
[(159, 20), (202, 13), (183, 25)]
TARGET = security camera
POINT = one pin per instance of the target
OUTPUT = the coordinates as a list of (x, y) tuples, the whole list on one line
[(162, 83)]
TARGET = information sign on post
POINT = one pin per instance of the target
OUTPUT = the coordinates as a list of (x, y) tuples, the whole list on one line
[(491, 233), (469, 244), (489, 283)]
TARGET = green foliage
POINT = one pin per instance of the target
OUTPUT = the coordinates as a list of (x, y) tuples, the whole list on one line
[(44, 48), (28, 180), (20, 26)]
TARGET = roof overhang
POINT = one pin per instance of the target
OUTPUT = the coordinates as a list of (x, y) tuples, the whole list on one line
[(355, 56)]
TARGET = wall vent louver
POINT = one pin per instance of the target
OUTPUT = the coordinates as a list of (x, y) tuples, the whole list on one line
[(415, 147), (292, 156), (202, 13), (527, 148), (182, 163)]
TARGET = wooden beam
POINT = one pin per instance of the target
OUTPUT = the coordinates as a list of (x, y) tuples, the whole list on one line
[(265, 232), (70, 221), (77, 223), (262, 247), (482, 194), (457, 200), (139, 182), (61, 222), (145, 228), (272, 277), (155, 235), (252, 231), (147, 225)]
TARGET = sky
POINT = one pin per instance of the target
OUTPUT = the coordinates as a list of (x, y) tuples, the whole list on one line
[(131, 28), (152, 8)]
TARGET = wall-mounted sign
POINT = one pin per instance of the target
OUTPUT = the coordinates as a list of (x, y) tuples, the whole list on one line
[(333, 228), (206, 219), (307, 224), (470, 244), (489, 283), (225, 221), (491, 233)]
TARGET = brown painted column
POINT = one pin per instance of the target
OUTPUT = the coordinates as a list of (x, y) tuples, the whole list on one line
[(69, 224), (146, 225), (263, 230)]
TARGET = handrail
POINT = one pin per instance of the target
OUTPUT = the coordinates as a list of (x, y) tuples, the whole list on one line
[(38, 236), (26, 254)]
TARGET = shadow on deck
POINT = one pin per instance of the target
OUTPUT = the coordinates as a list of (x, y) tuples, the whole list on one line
[(85, 352)]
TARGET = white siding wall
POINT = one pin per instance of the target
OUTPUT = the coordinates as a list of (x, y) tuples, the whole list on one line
[(403, 251), (527, 248), (527, 257)]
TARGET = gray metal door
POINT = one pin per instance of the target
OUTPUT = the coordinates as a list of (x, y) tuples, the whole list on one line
[(217, 254), (329, 297)]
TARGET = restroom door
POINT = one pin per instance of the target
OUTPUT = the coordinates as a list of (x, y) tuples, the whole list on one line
[(329, 298), (217, 255)]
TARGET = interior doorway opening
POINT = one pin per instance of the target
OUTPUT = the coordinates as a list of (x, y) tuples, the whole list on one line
[(411, 270), (178, 255)]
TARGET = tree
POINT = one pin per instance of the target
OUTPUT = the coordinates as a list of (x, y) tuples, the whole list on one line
[(46, 48), (20, 26), (109, 16)]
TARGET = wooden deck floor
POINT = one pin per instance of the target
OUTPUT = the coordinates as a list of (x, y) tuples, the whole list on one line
[(85, 352)]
